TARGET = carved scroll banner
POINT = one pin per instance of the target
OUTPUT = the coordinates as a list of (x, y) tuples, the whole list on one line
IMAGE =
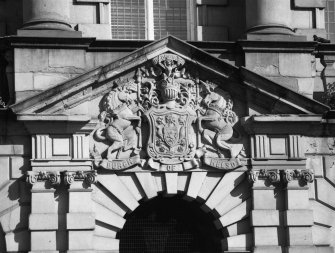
[(121, 164), (222, 164), (187, 165)]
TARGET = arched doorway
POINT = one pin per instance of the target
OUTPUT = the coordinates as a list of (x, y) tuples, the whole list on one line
[(169, 225)]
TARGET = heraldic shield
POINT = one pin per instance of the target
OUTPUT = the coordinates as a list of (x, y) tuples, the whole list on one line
[(169, 134)]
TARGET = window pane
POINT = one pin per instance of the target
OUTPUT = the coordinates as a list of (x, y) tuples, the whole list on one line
[(170, 18), (128, 19), (330, 19)]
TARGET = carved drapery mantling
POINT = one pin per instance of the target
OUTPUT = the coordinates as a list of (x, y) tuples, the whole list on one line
[(166, 118)]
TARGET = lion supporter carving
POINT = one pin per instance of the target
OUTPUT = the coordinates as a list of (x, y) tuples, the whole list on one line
[(166, 118)]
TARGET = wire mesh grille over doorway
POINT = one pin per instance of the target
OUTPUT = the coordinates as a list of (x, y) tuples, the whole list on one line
[(169, 225)]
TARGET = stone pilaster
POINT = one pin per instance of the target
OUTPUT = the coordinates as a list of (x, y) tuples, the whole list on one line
[(298, 217), (80, 220), (43, 220), (47, 18), (264, 215)]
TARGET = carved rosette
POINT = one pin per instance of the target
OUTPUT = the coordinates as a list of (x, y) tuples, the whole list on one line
[(305, 176), (273, 176), (89, 177), (43, 176)]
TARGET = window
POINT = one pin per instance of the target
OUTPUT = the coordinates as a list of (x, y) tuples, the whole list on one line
[(170, 18), (128, 19), (150, 19), (330, 19)]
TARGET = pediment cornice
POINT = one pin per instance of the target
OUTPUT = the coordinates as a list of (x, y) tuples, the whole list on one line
[(240, 82)]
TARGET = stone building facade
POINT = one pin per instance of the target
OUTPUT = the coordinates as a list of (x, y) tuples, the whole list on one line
[(220, 140)]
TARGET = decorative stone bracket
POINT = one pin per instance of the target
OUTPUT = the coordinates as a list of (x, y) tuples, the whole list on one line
[(285, 176), (90, 177), (54, 178), (43, 176)]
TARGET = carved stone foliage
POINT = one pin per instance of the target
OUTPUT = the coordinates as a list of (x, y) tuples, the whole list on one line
[(90, 177), (284, 176), (42, 176), (330, 95), (166, 118), (55, 178)]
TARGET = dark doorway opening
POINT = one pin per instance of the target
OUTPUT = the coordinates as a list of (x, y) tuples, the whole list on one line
[(169, 225)]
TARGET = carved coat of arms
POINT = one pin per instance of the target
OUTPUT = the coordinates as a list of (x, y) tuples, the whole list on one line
[(165, 119), (169, 134)]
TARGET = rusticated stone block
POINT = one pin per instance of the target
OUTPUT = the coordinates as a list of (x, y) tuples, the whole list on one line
[(319, 145), (80, 240), (265, 236), (299, 236), (80, 202), (297, 199), (43, 202), (74, 59), (106, 244), (24, 81), (43, 221), (264, 199), (43, 81), (301, 249), (24, 58), (306, 86), (324, 250), (315, 163), (43, 240), (80, 221), (295, 64), (322, 235), (4, 169), (15, 219), (329, 162), (17, 242), (299, 218), (262, 218), (325, 192), (267, 249), (263, 63), (19, 165)]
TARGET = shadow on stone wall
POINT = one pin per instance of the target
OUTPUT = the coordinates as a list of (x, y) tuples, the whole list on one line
[(2, 241)]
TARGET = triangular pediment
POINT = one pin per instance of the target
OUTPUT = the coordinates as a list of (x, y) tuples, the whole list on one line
[(82, 95)]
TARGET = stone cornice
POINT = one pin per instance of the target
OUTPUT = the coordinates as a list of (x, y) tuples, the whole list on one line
[(241, 80), (94, 45), (294, 124), (278, 46)]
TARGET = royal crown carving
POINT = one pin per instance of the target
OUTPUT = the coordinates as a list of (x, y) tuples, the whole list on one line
[(166, 118)]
